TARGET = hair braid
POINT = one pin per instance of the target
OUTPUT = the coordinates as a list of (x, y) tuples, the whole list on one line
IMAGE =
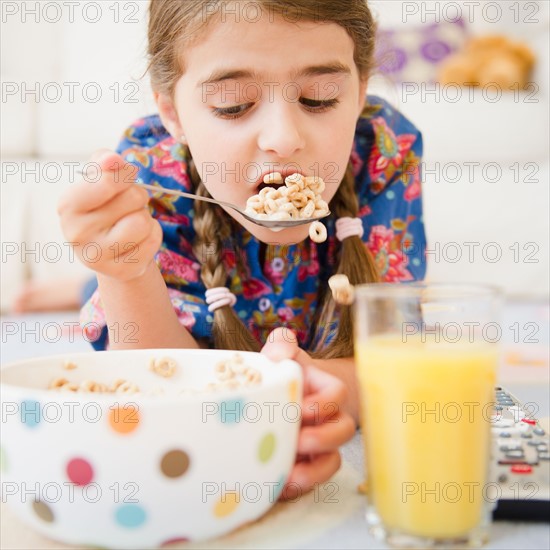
[(355, 261), (212, 228)]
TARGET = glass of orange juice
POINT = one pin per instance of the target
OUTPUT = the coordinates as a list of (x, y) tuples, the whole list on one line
[(426, 357)]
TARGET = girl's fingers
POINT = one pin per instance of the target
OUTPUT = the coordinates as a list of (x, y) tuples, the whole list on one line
[(132, 228), (324, 438), (306, 474), (82, 227), (115, 176), (282, 344), (133, 199), (324, 395)]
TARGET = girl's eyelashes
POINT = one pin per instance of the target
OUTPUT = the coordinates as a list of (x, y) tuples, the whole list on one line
[(319, 105), (312, 105), (231, 112)]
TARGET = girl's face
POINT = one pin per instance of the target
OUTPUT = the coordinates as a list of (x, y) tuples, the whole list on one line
[(266, 96)]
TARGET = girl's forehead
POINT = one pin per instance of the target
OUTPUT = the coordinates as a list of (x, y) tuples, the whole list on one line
[(268, 45)]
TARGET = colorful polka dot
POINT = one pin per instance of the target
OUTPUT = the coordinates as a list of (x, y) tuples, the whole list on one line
[(131, 516), (231, 411), (124, 419), (3, 460), (30, 413), (43, 511), (226, 505), (416, 261), (267, 447), (174, 463), (293, 391), (80, 471), (390, 194)]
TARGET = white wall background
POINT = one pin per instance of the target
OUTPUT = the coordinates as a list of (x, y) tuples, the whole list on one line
[(96, 48)]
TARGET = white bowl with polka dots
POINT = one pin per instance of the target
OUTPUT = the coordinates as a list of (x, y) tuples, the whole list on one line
[(139, 471)]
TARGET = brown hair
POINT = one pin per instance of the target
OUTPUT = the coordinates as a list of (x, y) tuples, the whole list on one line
[(173, 23)]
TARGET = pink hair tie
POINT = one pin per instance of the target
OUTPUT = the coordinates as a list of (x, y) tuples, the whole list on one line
[(219, 296), (349, 227)]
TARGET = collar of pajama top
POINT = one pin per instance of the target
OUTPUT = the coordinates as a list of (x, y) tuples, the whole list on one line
[(284, 291)]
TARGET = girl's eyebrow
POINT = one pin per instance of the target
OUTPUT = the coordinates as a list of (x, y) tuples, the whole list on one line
[(335, 67)]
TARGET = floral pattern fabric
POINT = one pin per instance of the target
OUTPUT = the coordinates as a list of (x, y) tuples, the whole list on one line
[(283, 291)]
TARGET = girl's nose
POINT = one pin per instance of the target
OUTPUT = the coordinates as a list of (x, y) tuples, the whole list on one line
[(281, 134)]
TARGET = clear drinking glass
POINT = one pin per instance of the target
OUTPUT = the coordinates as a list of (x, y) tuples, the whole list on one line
[(426, 357)]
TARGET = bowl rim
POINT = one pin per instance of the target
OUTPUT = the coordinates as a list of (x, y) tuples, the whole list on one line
[(218, 395)]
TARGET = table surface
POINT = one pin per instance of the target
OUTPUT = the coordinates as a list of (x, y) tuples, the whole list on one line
[(333, 516)]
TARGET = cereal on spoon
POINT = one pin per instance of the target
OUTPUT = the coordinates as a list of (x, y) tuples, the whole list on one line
[(299, 198)]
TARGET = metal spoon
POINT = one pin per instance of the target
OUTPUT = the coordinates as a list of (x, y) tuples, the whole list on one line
[(270, 224)]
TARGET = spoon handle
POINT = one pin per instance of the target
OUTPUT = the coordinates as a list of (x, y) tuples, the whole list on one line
[(166, 191)]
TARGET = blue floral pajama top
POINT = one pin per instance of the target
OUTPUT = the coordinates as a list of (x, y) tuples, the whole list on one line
[(283, 292)]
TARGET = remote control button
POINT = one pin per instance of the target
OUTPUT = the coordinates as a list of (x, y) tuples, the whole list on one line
[(508, 448), (503, 423), (527, 435), (498, 407), (529, 421), (505, 434), (542, 447), (515, 454), (521, 469), (539, 431), (544, 456), (533, 443)]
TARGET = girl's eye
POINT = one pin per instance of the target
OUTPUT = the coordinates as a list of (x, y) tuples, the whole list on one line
[(318, 105), (231, 112), (312, 105)]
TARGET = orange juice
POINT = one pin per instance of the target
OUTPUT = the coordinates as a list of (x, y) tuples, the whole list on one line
[(426, 427)]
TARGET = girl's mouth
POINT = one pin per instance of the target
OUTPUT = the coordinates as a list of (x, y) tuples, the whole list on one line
[(274, 184)]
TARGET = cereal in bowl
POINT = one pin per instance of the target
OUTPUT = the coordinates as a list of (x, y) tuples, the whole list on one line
[(231, 373), (165, 367)]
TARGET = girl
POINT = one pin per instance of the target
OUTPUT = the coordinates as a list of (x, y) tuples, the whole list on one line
[(244, 89)]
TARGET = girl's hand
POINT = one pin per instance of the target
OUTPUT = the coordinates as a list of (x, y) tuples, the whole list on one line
[(325, 425), (107, 221)]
